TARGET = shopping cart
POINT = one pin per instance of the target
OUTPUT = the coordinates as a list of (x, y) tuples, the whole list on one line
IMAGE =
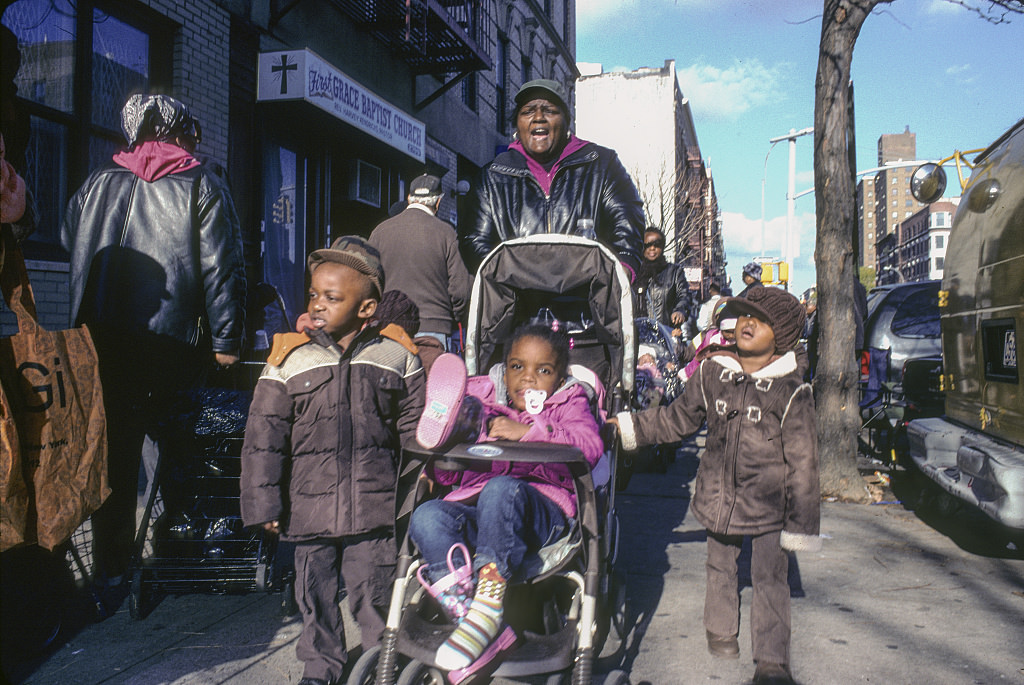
[(191, 538)]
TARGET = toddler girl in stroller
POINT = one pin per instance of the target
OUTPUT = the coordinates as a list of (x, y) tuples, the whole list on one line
[(513, 509)]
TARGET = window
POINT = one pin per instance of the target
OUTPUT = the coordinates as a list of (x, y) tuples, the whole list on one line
[(527, 68), (79, 63), (501, 84), (918, 315), (939, 263), (999, 347), (940, 242), (469, 91)]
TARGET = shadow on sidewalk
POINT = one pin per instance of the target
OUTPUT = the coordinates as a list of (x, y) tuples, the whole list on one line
[(650, 510)]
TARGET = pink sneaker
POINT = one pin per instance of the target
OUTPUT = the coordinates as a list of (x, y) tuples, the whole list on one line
[(506, 640), (446, 390)]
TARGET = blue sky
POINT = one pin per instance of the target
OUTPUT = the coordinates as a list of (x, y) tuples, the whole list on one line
[(748, 69)]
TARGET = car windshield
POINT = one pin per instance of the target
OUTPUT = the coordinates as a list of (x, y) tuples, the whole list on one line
[(918, 316)]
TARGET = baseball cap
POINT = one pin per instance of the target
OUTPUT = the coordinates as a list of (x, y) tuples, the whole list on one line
[(425, 186), (354, 252), (545, 88)]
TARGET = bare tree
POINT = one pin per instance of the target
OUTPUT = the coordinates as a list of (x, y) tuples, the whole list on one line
[(675, 200), (837, 373)]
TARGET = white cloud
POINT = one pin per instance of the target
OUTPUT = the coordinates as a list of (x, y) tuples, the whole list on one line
[(742, 238), (958, 69), (726, 93), (944, 7)]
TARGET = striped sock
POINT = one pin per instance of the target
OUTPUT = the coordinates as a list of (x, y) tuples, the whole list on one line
[(480, 626)]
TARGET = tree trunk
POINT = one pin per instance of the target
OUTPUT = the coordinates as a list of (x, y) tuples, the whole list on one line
[(837, 374)]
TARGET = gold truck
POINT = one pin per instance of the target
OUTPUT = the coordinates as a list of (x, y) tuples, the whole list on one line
[(976, 450)]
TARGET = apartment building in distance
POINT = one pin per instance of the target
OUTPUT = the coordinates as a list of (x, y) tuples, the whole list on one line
[(919, 244), (658, 146), (884, 200)]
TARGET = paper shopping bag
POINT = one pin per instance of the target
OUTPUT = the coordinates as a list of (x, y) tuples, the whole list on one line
[(52, 385)]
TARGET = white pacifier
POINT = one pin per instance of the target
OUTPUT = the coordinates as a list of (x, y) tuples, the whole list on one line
[(534, 401)]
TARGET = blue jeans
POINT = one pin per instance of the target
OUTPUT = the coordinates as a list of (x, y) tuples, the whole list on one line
[(509, 520)]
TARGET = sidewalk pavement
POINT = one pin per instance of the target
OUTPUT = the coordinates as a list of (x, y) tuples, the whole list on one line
[(889, 599)]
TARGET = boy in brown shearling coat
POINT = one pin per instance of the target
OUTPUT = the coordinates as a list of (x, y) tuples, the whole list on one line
[(758, 476)]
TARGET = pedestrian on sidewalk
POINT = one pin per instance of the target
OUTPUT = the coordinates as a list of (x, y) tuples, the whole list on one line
[(156, 273), (757, 479), (330, 412), (420, 255)]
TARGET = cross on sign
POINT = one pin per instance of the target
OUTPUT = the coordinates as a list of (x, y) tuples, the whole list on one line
[(283, 68)]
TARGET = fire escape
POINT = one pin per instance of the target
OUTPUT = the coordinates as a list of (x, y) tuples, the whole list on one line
[(443, 38)]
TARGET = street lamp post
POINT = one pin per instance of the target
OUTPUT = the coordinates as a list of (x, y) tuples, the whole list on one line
[(790, 191)]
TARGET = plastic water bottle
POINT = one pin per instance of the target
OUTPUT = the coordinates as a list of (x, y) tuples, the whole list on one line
[(585, 229)]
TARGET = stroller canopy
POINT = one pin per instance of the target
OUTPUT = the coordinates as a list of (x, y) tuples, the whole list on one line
[(578, 281)]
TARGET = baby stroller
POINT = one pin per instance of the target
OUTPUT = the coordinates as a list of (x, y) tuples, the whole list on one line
[(656, 339), (563, 613)]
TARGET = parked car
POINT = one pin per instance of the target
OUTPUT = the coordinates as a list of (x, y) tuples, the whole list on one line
[(904, 319)]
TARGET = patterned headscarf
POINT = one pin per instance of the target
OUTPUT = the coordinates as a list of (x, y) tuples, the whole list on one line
[(156, 117)]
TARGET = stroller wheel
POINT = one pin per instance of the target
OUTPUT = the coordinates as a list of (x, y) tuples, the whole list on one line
[(617, 678), (418, 673), (364, 672)]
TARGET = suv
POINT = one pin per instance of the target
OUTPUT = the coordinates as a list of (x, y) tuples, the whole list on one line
[(904, 318)]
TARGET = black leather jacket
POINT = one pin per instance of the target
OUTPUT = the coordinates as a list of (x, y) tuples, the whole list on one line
[(667, 292), (591, 183), (161, 257)]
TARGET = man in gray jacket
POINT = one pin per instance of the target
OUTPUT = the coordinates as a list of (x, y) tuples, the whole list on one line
[(420, 256)]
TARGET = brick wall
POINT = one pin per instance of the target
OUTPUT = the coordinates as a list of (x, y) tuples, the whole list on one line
[(50, 286), (201, 66)]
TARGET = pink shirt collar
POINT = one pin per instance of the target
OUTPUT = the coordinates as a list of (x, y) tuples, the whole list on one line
[(152, 160), (543, 176)]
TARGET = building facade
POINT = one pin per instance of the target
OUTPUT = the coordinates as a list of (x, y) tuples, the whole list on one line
[(893, 202), (658, 146), (866, 221), (321, 111), (918, 247)]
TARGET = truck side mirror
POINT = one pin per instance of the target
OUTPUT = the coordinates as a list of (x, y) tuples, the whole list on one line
[(928, 183)]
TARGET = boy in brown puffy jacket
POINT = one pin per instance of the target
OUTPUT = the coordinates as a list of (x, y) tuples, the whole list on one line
[(758, 476), (330, 413)]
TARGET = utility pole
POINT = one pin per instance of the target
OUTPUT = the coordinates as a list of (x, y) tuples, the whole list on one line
[(791, 192)]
